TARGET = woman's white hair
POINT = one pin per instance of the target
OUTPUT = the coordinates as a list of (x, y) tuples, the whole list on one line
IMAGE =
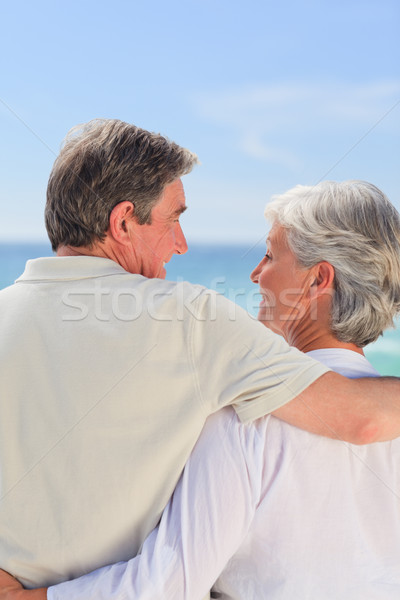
[(354, 227)]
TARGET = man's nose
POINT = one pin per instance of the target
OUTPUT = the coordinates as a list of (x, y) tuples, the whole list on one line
[(180, 240)]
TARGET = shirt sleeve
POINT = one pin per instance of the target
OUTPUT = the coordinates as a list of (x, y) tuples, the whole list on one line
[(201, 528), (238, 361)]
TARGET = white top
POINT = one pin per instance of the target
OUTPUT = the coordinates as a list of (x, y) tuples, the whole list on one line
[(346, 362), (284, 514), (106, 380)]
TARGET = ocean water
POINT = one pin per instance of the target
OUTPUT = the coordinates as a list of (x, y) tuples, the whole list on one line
[(225, 269)]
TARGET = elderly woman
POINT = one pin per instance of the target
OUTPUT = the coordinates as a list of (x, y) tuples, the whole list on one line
[(331, 274), (268, 510)]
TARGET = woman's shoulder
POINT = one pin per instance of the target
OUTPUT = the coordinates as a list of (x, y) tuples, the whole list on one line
[(345, 362)]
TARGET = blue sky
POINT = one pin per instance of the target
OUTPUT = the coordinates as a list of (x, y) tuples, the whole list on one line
[(268, 95)]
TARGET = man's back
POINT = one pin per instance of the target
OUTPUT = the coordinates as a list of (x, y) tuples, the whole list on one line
[(77, 429), (106, 380)]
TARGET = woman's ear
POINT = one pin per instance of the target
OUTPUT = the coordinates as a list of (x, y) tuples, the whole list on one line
[(120, 216), (324, 277)]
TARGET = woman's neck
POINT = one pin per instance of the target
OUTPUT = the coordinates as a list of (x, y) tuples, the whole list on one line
[(327, 341), (311, 336)]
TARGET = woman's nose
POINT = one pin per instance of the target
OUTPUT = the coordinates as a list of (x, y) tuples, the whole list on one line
[(256, 273)]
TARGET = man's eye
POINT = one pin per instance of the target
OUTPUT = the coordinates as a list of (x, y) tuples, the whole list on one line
[(268, 256)]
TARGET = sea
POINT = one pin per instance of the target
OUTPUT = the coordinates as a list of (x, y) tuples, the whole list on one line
[(224, 268)]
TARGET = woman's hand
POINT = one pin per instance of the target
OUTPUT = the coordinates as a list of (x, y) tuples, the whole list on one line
[(11, 589)]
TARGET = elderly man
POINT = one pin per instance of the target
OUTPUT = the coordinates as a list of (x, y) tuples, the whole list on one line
[(108, 372)]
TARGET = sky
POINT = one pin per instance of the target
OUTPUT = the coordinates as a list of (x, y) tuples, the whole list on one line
[(267, 94)]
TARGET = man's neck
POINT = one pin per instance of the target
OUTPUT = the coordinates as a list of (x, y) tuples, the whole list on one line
[(106, 249), (81, 251)]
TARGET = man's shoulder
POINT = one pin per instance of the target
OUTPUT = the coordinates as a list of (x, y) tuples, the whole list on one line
[(204, 304), (8, 293)]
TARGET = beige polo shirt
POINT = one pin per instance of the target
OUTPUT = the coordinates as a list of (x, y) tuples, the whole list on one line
[(106, 379)]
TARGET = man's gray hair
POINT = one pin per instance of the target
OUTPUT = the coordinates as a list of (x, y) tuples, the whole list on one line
[(102, 163), (353, 226)]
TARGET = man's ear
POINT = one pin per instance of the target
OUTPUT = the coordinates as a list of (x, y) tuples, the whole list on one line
[(323, 283), (120, 216)]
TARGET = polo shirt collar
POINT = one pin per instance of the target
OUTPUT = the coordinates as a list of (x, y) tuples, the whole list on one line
[(63, 268)]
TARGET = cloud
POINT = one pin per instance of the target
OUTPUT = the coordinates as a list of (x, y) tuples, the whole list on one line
[(270, 121), (252, 145)]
